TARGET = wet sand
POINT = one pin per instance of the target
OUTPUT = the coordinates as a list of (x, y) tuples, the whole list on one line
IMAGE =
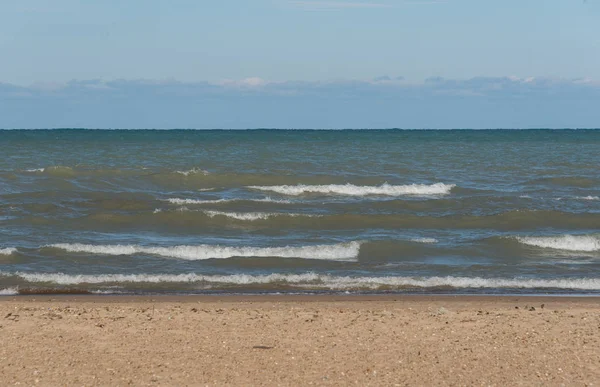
[(299, 340)]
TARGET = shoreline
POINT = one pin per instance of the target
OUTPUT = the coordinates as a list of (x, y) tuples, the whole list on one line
[(237, 298)]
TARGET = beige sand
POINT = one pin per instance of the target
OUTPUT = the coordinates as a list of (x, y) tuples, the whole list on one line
[(299, 341)]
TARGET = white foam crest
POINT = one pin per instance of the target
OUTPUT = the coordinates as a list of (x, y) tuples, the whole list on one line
[(584, 243), (107, 292), (424, 240), (313, 280), (33, 170), (179, 201), (9, 292), (461, 282), (8, 251), (356, 190), (253, 215), (335, 252), (193, 171), (241, 215), (268, 199), (588, 197)]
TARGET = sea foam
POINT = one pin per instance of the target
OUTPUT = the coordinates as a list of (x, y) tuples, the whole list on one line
[(314, 281), (357, 190), (584, 243), (334, 252), (180, 201), (250, 216), (9, 291), (588, 197), (8, 251), (424, 240), (193, 171)]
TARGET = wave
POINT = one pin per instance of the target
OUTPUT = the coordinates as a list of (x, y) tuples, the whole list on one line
[(588, 197), (314, 281), (583, 243), (193, 171), (254, 215), (54, 170), (424, 240), (8, 251), (9, 292), (356, 190), (335, 252), (179, 201)]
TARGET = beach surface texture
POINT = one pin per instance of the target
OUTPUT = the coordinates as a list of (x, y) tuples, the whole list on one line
[(300, 340)]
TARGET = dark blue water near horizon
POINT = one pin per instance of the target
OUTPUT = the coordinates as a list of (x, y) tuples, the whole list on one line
[(194, 211)]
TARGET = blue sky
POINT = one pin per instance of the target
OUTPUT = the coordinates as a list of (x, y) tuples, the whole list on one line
[(283, 63)]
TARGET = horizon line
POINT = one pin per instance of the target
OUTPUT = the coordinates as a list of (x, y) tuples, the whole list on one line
[(297, 129)]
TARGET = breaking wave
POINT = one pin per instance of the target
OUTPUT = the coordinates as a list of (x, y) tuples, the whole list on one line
[(193, 171), (9, 292), (315, 281), (424, 240), (8, 251), (250, 216), (334, 252), (583, 243), (356, 190), (179, 201), (54, 170), (588, 197)]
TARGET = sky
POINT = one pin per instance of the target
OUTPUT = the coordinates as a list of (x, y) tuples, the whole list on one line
[(294, 64)]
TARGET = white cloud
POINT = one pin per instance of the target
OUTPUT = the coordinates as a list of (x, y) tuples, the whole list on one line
[(482, 102), (246, 82), (393, 87)]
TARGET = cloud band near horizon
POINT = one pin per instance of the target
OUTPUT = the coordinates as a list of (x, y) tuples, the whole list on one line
[(384, 102)]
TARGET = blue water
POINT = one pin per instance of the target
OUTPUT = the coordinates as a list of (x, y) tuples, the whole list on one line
[(183, 211)]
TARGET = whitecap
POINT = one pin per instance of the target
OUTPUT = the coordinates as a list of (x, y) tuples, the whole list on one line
[(588, 197), (356, 190), (583, 243), (8, 251), (424, 240), (9, 292), (180, 201), (193, 171), (335, 252), (315, 281), (250, 216)]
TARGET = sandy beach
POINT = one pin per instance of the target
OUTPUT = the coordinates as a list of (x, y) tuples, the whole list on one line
[(294, 340)]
